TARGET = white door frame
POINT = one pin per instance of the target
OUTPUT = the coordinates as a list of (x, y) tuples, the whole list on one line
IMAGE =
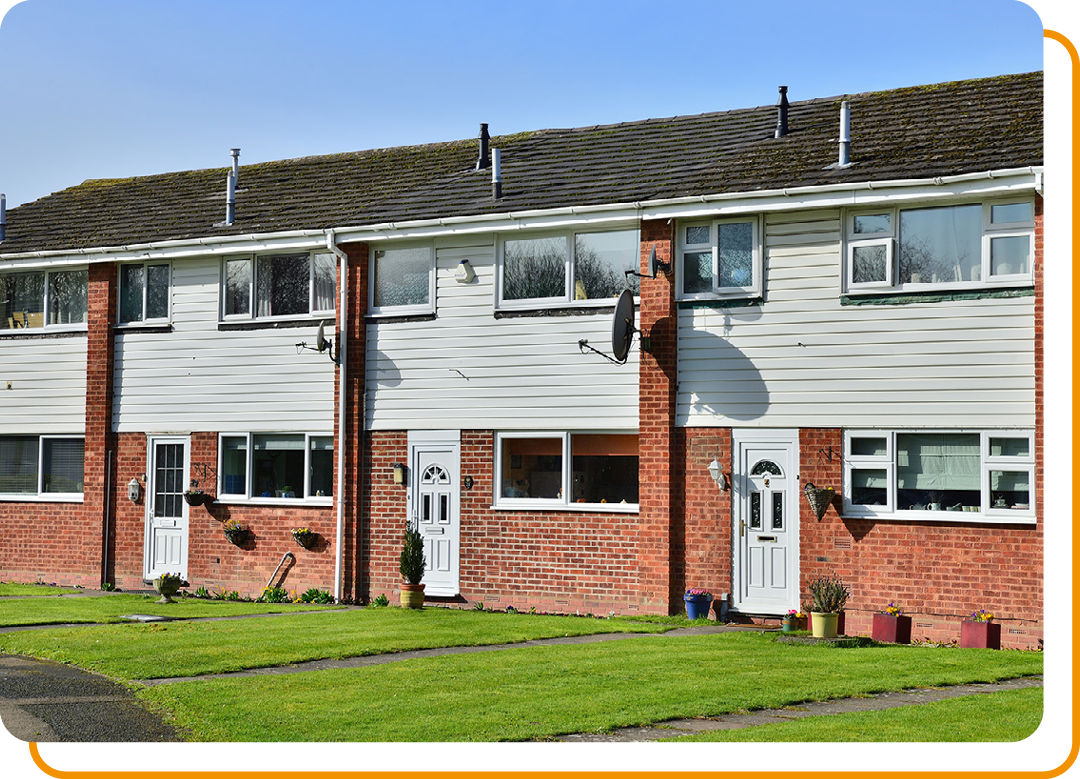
[(446, 444), (786, 542), (182, 522)]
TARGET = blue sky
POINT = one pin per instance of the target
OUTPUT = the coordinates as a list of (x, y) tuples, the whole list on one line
[(117, 88)]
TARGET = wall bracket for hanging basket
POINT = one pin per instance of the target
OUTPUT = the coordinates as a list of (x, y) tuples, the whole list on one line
[(820, 498)]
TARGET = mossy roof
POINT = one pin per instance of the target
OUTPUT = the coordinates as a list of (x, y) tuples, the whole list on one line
[(916, 132)]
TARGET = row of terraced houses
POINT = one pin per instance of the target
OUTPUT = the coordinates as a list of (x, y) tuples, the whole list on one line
[(846, 294)]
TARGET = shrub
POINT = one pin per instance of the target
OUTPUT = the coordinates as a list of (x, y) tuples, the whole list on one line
[(413, 560), (315, 595), (381, 601), (829, 594)]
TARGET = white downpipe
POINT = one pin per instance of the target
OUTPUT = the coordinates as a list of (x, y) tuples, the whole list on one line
[(339, 447)]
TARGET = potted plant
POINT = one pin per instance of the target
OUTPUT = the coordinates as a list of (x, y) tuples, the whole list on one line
[(698, 602), (891, 626), (412, 565), (196, 497), (792, 621), (304, 536), (235, 531), (980, 632), (829, 598), (167, 585)]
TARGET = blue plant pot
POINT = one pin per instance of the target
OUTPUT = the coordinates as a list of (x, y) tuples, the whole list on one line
[(697, 606)]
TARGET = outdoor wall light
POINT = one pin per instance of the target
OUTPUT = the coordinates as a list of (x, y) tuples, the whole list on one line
[(718, 475), (399, 473)]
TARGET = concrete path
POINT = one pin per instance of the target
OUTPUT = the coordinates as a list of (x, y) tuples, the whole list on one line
[(45, 701)]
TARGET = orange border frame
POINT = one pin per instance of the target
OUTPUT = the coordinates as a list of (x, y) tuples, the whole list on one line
[(1074, 752)]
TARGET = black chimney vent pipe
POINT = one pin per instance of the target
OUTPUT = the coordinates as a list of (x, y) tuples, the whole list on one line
[(483, 161), (781, 114)]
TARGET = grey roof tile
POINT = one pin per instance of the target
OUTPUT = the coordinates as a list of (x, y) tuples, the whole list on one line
[(916, 132)]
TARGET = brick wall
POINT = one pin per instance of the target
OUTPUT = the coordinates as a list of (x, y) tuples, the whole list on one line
[(938, 573), (704, 556), (657, 375), (549, 560)]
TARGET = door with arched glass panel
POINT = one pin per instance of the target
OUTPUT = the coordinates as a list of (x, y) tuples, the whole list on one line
[(766, 526), (435, 501)]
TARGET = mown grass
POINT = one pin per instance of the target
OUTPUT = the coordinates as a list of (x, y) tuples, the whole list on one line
[(35, 590), (147, 651), (1010, 715), (111, 608), (539, 692)]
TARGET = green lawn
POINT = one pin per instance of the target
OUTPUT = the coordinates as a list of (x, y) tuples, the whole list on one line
[(146, 651), (110, 608), (540, 692), (14, 588), (1010, 715)]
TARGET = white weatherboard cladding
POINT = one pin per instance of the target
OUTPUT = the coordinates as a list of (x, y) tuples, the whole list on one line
[(196, 378), (48, 385), (803, 360), (468, 370)]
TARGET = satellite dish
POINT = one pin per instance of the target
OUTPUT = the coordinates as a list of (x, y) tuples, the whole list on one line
[(622, 327), (320, 339), (655, 265)]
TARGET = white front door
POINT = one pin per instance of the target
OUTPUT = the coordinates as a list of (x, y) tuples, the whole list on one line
[(166, 512), (435, 497), (766, 526)]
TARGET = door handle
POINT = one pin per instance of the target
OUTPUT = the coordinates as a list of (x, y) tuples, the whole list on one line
[(742, 528)]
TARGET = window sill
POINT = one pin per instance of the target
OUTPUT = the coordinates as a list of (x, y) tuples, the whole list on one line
[(900, 297), (390, 318), (562, 309), (950, 517), (721, 303), (15, 498), (139, 327), (38, 333), (549, 507), (273, 324), (238, 500)]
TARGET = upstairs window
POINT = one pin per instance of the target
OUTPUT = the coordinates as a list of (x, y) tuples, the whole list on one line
[(970, 245), (402, 280), (43, 299), (144, 292), (719, 259), (279, 286), (569, 268)]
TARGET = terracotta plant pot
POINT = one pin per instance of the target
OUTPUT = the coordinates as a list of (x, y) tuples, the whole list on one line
[(892, 630), (412, 596), (980, 635)]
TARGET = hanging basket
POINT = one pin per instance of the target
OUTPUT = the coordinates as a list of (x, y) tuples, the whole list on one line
[(306, 540), (236, 536), (820, 498)]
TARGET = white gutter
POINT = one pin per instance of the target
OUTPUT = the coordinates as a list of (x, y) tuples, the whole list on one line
[(339, 448), (982, 183)]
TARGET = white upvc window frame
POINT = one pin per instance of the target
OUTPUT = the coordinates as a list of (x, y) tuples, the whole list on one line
[(252, 314), (717, 292), (566, 502), (46, 301), (247, 497), (990, 231), (41, 496), (145, 321), (567, 298), (987, 512), (417, 309)]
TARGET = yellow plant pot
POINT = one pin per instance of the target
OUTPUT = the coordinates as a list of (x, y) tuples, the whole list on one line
[(824, 625), (412, 596)]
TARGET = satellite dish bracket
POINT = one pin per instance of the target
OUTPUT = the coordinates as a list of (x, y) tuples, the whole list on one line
[(655, 266), (321, 345)]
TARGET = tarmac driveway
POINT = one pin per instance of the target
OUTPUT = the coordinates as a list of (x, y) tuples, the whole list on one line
[(45, 701)]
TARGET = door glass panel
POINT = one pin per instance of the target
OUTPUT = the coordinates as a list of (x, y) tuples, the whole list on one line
[(444, 509), (778, 511), (765, 466), (169, 480), (425, 507), (755, 511)]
